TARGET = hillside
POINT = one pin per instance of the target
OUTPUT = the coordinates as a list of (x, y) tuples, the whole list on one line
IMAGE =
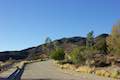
[(35, 51)]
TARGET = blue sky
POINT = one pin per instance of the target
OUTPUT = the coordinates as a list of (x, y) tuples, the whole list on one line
[(26, 23)]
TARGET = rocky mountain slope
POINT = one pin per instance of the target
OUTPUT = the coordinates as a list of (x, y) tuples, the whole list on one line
[(38, 50)]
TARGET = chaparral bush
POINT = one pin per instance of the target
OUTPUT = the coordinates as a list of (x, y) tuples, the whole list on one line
[(57, 54)]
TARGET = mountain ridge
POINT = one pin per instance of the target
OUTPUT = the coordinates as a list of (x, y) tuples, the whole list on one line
[(22, 54)]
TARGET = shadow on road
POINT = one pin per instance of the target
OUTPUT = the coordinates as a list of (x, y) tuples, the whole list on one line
[(2, 78), (16, 75)]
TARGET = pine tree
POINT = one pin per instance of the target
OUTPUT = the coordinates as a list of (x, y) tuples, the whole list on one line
[(90, 39)]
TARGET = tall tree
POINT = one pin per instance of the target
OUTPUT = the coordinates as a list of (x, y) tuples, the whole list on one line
[(113, 41), (90, 39), (48, 40), (47, 46)]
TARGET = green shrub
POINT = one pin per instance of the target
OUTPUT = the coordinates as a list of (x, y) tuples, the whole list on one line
[(57, 54), (88, 54), (83, 55), (101, 45), (76, 56)]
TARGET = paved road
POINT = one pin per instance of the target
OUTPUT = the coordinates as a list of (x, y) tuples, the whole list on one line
[(47, 70)]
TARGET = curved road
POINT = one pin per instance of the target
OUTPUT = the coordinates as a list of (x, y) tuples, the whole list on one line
[(47, 70)]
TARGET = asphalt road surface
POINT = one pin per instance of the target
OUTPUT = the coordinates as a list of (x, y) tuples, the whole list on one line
[(47, 70)]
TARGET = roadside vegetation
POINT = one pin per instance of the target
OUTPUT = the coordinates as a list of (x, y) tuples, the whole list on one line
[(6, 65), (100, 57), (57, 54)]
